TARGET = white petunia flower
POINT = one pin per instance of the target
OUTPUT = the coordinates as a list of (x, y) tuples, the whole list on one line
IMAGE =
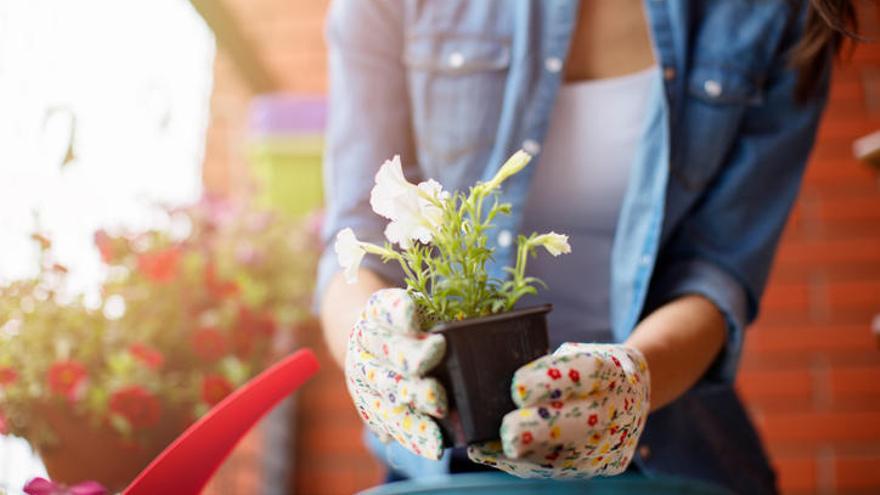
[(350, 253), (408, 206), (511, 167), (390, 186), (554, 243)]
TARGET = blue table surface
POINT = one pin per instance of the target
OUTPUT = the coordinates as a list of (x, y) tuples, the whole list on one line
[(500, 483)]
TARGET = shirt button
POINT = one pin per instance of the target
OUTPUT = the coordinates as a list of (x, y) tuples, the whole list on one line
[(669, 73), (712, 88), (553, 64), (505, 238), (456, 59), (531, 146), (645, 452)]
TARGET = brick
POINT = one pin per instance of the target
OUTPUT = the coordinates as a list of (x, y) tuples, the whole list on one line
[(860, 381), (861, 207), (786, 296), (759, 385), (857, 472), (772, 339), (811, 428), (797, 474), (849, 294), (821, 252)]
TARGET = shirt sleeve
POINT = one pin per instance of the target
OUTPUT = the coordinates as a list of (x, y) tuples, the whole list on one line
[(723, 249), (368, 123)]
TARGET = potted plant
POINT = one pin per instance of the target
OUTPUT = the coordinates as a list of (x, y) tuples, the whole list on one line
[(186, 314), (440, 240)]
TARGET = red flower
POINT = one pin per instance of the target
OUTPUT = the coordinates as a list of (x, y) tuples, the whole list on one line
[(260, 324), (209, 344), (556, 404), (592, 420), (8, 376), (137, 405), (215, 388), (574, 375), (160, 266), (612, 385), (218, 289), (616, 361), (554, 373), (67, 378), (552, 456), (251, 326), (147, 355), (527, 438)]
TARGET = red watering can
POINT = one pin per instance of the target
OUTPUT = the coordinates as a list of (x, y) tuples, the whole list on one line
[(186, 465)]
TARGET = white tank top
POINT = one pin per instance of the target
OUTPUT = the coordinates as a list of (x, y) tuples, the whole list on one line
[(577, 189)]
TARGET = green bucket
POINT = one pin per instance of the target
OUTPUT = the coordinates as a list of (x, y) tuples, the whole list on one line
[(285, 150)]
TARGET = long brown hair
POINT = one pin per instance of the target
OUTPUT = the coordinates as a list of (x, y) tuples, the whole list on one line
[(829, 24)]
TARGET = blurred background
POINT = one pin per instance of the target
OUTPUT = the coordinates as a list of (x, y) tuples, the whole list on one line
[(118, 115)]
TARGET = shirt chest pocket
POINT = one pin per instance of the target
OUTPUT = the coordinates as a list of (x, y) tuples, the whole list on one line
[(456, 85), (716, 100)]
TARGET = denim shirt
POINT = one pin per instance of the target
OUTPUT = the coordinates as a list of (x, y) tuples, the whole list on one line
[(456, 86)]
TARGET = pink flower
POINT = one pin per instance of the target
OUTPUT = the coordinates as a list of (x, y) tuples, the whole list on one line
[(67, 378), (42, 486)]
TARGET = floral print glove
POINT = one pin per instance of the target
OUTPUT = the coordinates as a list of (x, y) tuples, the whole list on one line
[(384, 368), (581, 411)]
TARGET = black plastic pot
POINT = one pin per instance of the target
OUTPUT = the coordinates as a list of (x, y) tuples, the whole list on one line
[(481, 356)]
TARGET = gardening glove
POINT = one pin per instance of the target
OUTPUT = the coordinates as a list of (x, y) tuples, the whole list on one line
[(581, 411), (385, 365)]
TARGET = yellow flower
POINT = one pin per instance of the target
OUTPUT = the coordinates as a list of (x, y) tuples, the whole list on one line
[(431, 396), (525, 413), (554, 432), (407, 423)]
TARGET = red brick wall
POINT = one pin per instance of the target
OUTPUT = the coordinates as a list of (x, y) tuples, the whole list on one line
[(811, 369)]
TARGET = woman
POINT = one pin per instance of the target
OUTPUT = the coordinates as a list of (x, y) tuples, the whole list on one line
[(670, 139)]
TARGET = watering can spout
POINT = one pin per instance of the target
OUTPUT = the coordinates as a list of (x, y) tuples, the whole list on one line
[(186, 465)]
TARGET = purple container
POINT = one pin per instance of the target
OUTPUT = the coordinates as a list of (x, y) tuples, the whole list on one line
[(279, 114)]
